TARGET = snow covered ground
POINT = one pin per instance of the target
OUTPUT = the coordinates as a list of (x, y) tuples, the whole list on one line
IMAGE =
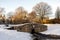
[(13, 34), (53, 29), (5, 34)]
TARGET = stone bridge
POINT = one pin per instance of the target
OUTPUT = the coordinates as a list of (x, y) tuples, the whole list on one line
[(27, 27)]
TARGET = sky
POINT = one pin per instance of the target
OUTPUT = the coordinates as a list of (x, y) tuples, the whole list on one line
[(11, 5)]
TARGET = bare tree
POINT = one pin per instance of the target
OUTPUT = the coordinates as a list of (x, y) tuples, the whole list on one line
[(20, 10), (2, 16), (10, 14), (42, 9), (20, 14), (57, 14), (2, 11)]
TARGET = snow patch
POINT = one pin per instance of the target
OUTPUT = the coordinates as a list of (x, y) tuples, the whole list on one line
[(53, 29), (14, 35)]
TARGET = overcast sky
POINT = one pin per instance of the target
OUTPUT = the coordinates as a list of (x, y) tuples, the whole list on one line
[(11, 5)]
